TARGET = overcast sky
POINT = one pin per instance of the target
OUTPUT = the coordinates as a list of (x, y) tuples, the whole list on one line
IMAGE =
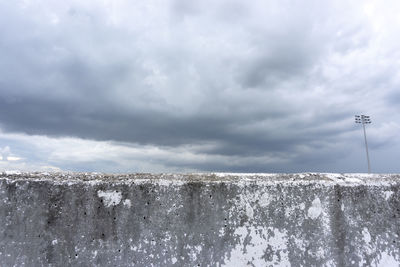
[(184, 86)]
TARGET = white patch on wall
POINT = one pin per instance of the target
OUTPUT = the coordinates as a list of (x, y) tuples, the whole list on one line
[(368, 247), (387, 260), (127, 202), (195, 252), (320, 254), (248, 200), (278, 241), (222, 231), (315, 210), (330, 263), (264, 200), (249, 211), (352, 180), (110, 197), (12, 172), (388, 194), (254, 251), (366, 235)]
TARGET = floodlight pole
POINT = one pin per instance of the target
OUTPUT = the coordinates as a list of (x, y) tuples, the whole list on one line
[(366, 148), (365, 120)]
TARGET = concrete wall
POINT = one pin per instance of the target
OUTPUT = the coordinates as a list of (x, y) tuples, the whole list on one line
[(199, 220)]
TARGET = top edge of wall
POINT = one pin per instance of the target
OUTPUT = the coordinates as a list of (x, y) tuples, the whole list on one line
[(347, 179)]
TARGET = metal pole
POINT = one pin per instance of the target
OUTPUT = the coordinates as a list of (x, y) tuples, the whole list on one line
[(366, 147), (363, 119)]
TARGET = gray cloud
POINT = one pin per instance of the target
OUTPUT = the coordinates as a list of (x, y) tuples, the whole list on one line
[(276, 80)]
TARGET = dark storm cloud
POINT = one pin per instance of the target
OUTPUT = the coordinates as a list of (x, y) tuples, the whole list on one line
[(39, 117), (232, 79)]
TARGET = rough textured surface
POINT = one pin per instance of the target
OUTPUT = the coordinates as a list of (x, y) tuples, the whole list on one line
[(199, 220)]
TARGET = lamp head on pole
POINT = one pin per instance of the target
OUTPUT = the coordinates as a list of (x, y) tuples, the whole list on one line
[(362, 119)]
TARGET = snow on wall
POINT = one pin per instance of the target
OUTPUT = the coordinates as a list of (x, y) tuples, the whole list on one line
[(219, 219)]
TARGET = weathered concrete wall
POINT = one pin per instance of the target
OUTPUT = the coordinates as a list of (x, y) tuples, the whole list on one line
[(199, 220)]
